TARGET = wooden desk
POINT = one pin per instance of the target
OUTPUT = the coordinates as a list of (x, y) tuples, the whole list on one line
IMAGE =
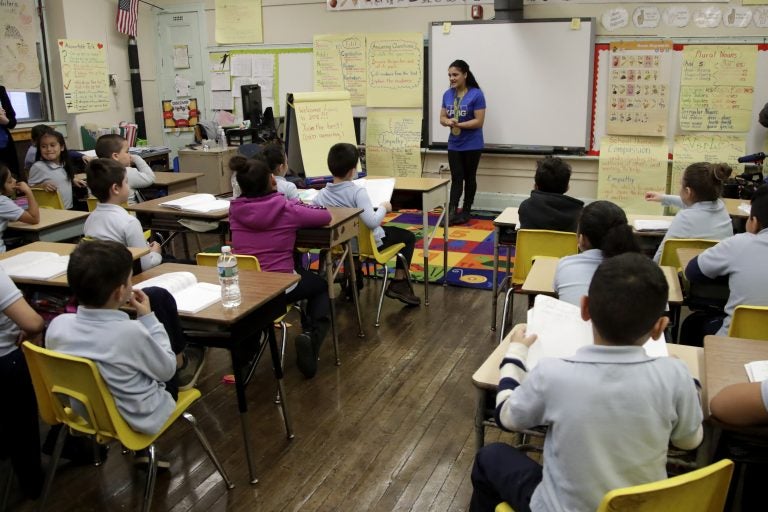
[(541, 279), (54, 226), (169, 182), (61, 249), (486, 380), (507, 221), (732, 205), (153, 216), (337, 233), (725, 359), (238, 329), (434, 193)]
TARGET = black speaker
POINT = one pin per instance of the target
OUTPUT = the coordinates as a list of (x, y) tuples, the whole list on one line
[(251, 97)]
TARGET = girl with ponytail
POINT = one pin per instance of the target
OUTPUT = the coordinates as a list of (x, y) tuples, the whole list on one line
[(463, 111), (702, 213), (603, 232)]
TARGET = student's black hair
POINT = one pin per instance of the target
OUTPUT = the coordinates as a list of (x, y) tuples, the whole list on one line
[(605, 225), (706, 180), (109, 144), (101, 174), (274, 155), (37, 131), (627, 295), (759, 208), (464, 68), (96, 268), (341, 158), (5, 172), (63, 156), (552, 175), (252, 175)]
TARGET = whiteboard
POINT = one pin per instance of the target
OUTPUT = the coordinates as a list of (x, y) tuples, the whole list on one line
[(536, 76), (755, 138)]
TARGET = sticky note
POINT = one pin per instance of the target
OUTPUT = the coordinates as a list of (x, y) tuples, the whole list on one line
[(446, 27), (575, 23)]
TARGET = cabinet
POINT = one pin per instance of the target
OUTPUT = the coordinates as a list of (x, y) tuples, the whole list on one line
[(214, 164)]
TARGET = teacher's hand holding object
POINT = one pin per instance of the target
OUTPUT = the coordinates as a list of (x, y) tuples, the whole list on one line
[(463, 111)]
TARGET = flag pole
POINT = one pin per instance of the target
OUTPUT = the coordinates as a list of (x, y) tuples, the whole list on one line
[(138, 99)]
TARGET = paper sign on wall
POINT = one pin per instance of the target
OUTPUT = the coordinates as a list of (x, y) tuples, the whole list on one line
[(393, 139), (339, 64), (180, 113), (19, 69), (395, 70), (238, 21), (84, 76), (705, 148)]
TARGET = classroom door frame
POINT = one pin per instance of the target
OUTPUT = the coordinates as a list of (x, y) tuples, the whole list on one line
[(198, 45)]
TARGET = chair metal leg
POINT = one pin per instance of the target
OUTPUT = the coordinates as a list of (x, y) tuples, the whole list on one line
[(208, 450), (284, 331), (58, 447), (509, 299), (149, 487), (381, 295)]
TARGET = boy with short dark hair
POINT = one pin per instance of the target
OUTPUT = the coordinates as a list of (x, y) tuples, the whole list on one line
[(342, 162), (740, 258), (549, 207), (134, 357), (139, 173), (110, 221), (610, 408)]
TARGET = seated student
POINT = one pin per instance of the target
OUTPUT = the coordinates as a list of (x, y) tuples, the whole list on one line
[(140, 360), (264, 225), (110, 221), (702, 214), (342, 162), (34, 136), (53, 170), (19, 426), (549, 207), (741, 258), (138, 172), (611, 410), (9, 210), (274, 156), (603, 233)]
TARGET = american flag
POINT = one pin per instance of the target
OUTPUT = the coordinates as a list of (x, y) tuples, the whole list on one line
[(127, 16)]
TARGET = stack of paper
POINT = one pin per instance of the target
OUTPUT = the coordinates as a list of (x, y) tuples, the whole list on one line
[(379, 190), (35, 265), (561, 331), (757, 371), (746, 208), (190, 295), (651, 225), (200, 203), (308, 195)]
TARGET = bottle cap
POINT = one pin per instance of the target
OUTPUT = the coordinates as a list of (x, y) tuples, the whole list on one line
[(226, 248)]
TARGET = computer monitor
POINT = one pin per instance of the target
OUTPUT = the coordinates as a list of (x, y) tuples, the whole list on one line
[(251, 96)]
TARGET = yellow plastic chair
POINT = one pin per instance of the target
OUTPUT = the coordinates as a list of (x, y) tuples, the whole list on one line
[(750, 322), (248, 262), (532, 243), (47, 199), (702, 490), (669, 250), (92, 202), (367, 250), (60, 380)]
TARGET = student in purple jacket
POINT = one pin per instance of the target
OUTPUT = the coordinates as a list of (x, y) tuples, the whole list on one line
[(264, 224)]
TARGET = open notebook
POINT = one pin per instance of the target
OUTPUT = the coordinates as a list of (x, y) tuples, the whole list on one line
[(200, 203), (561, 331), (191, 296), (35, 265)]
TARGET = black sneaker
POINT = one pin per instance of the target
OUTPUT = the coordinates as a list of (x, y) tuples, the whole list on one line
[(141, 460), (402, 291), (306, 357)]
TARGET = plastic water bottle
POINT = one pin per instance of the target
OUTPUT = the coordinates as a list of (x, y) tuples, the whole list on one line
[(222, 138), (230, 283)]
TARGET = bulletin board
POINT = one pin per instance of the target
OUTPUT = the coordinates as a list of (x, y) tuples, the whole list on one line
[(756, 136)]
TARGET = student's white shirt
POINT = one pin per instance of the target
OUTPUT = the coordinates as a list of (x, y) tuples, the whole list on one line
[(141, 176), (9, 212), (112, 222), (43, 171), (286, 188), (742, 258), (574, 273), (9, 331), (706, 219)]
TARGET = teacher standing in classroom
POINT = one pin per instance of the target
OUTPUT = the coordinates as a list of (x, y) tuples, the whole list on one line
[(7, 121), (463, 111)]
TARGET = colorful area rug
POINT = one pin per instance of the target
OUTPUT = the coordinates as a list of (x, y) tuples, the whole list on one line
[(470, 249)]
